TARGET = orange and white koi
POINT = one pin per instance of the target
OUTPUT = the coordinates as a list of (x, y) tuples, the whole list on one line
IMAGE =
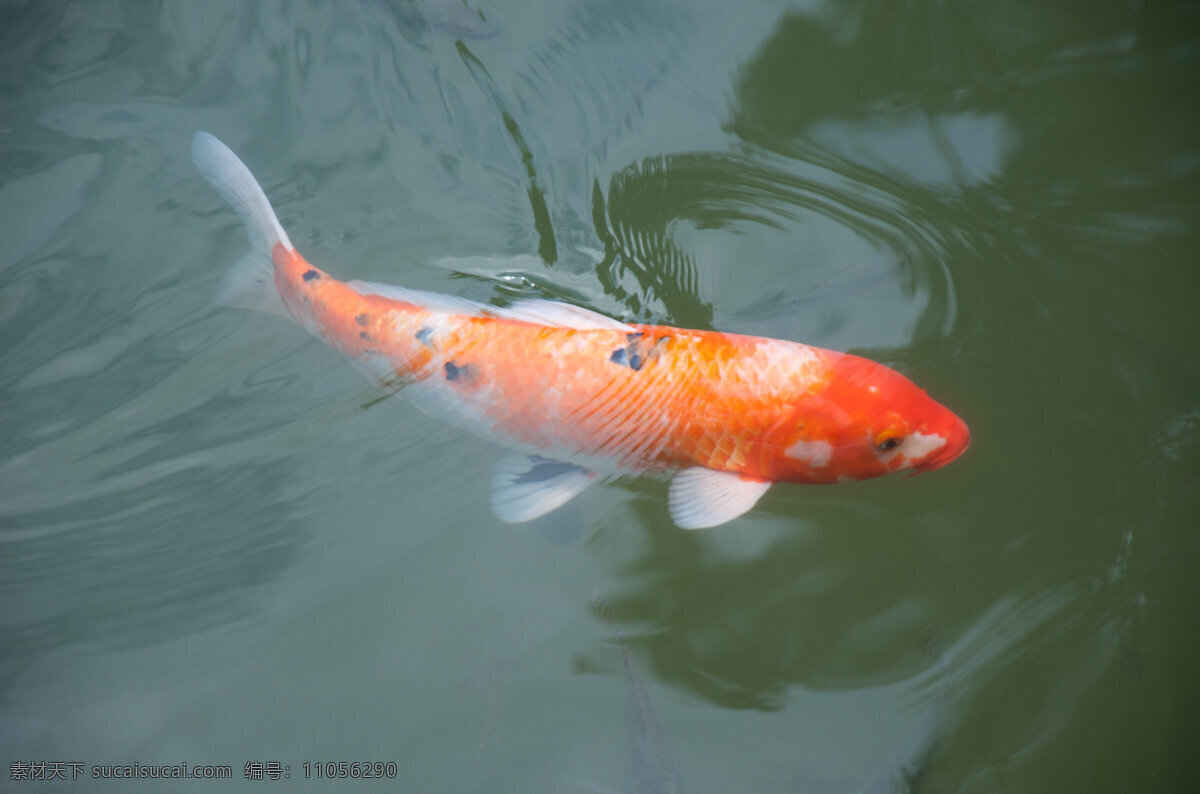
[(580, 395)]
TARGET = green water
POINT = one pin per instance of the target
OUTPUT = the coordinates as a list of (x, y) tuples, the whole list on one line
[(218, 546)]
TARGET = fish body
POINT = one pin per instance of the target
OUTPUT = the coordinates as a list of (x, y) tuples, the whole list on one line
[(581, 395)]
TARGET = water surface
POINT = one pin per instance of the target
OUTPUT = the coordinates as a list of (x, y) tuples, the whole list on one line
[(219, 546)]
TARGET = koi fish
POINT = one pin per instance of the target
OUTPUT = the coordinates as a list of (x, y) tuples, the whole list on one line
[(580, 396)]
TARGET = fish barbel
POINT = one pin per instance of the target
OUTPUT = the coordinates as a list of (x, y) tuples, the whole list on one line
[(580, 395)]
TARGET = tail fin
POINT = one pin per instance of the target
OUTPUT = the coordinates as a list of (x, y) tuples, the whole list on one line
[(251, 282)]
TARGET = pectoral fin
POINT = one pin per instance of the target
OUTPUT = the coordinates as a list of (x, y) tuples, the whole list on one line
[(701, 498), (525, 487)]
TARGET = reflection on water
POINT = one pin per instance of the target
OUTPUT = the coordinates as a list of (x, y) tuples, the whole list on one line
[(126, 582), (201, 527)]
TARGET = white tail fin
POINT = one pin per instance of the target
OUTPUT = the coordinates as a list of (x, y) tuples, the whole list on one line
[(250, 284)]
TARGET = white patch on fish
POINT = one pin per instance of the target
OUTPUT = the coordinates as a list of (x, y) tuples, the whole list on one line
[(915, 447), (918, 445), (817, 453)]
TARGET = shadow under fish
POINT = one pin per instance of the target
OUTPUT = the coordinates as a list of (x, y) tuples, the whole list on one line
[(651, 764)]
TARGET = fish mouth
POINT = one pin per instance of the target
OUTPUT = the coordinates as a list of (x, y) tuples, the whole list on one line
[(958, 440), (939, 459)]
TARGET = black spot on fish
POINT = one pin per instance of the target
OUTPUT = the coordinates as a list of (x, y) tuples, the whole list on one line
[(424, 335), (627, 357), (458, 371), (310, 275), (637, 352), (624, 357), (363, 319), (364, 335)]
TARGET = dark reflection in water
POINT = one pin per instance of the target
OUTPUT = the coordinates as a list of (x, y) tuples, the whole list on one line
[(806, 589), (1071, 265), (547, 245), (718, 190), (898, 57)]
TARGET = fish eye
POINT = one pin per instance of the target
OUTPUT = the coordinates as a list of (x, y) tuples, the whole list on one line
[(888, 443)]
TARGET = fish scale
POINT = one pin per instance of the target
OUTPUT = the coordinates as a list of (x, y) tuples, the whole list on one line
[(581, 395)]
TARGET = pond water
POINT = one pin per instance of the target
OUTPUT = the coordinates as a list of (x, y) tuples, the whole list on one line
[(220, 546)]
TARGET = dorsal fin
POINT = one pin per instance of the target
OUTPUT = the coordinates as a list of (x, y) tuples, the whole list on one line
[(529, 310), (434, 301), (560, 315)]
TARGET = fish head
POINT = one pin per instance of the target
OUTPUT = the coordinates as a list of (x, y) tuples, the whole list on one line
[(865, 421)]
